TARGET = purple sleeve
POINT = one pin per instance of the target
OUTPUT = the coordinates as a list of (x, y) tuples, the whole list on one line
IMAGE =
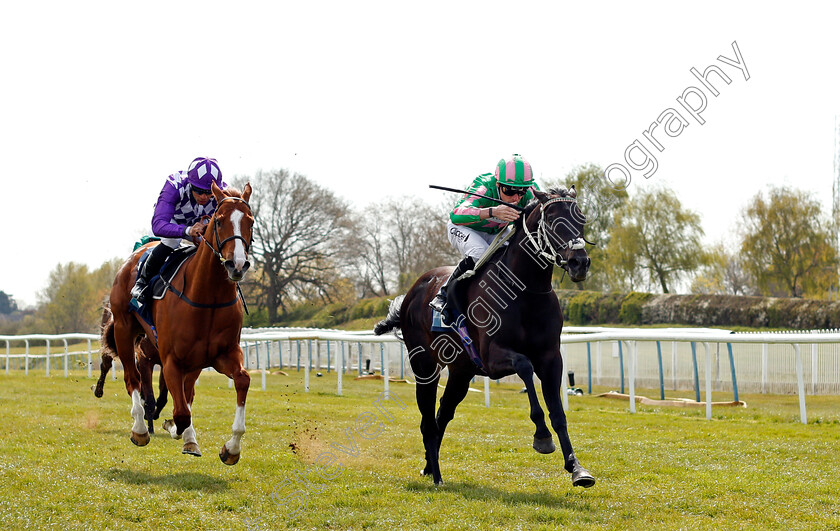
[(164, 210)]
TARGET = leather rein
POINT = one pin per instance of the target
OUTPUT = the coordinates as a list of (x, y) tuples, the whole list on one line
[(217, 251)]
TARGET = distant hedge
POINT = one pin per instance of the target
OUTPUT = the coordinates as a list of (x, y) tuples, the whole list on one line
[(592, 307), (332, 315)]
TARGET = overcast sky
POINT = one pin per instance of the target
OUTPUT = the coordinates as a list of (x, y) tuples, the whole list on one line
[(101, 101)]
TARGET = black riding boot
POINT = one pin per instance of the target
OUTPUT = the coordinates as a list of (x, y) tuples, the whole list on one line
[(439, 302), (151, 267)]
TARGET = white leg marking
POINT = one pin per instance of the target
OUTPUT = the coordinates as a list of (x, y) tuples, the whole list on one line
[(189, 435), (238, 246), (232, 445), (173, 431), (137, 413)]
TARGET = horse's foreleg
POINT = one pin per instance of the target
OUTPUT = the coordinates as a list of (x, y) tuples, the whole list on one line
[(543, 442), (181, 416), (190, 440), (124, 340), (232, 367), (550, 376)]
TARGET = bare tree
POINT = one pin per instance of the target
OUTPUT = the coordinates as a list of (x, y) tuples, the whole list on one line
[(371, 264), (299, 230), (400, 239)]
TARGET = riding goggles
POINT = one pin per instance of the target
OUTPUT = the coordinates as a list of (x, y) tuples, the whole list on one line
[(513, 190)]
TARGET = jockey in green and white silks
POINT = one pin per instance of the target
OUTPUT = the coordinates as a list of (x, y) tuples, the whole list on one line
[(475, 220)]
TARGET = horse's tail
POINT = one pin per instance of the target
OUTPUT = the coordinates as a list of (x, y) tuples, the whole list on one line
[(109, 344), (108, 349), (392, 321)]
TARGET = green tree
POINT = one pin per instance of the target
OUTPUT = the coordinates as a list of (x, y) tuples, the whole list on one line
[(653, 234), (7, 303), (598, 201), (711, 276), (788, 245), (73, 297)]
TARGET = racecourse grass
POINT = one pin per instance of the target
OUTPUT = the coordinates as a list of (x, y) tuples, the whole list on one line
[(68, 462)]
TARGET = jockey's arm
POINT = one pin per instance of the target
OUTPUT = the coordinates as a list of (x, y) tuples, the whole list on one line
[(162, 225)]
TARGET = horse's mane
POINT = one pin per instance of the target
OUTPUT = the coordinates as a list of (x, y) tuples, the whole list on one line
[(561, 191)]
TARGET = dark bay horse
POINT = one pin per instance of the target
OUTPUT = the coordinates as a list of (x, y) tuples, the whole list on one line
[(197, 326), (514, 320), (147, 358)]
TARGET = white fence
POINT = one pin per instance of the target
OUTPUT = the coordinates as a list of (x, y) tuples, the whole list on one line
[(676, 359)]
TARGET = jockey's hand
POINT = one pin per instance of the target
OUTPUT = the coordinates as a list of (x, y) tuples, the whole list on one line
[(505, 213), (197, 230)]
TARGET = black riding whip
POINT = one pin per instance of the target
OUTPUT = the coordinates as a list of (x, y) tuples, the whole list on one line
[(511, 205)]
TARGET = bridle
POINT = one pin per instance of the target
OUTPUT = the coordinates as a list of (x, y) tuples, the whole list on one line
[(542, 243), (217, 251)]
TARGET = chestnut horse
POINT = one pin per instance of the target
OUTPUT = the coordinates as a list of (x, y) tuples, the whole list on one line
[(514, 321), (197, 326)]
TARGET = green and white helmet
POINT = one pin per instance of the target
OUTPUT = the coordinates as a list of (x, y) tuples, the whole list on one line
[(515, 171)]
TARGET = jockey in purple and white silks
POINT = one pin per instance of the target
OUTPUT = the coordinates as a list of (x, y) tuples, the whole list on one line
[(181, 211), (475, 220)]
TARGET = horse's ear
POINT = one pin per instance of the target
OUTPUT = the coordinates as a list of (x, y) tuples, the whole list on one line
[(217, 192), (542, 197), (246, 193), (573, 192)]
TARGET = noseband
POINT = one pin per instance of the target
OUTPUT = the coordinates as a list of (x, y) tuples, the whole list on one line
[(542, 243)]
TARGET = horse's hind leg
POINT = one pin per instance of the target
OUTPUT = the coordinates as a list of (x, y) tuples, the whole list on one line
[(456, 389), (104, 366), (231, 366), (162, 395), (427, 374), (147, 390), (550, 376), (124, 335)]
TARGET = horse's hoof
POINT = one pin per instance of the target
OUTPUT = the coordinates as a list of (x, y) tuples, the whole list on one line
[(544, 446), (169, 427), (582, 478), (97, 392), (227, 457), (192, 449), (140, 439)]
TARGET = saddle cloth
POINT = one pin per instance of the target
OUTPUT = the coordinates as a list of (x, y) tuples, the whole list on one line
[(460, 328), (159, 282)]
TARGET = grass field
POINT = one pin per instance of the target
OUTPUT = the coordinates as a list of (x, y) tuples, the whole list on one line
[(68, 463)]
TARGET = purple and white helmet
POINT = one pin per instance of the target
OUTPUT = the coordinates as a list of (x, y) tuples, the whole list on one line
[(203, 171)]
